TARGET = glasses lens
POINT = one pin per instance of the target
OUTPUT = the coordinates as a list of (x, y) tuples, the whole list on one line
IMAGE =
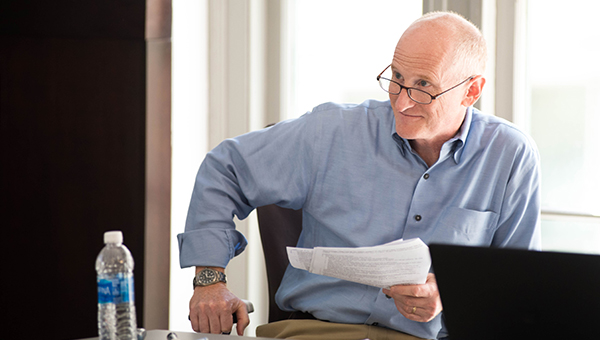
[(419, 96), (389, 86)]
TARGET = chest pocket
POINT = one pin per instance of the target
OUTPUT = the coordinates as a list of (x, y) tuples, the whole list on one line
[(465, 227)]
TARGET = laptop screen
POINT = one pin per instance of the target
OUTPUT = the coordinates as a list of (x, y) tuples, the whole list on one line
[(492, 293)]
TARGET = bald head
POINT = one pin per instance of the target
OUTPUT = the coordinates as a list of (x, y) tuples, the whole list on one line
[(452, 36)]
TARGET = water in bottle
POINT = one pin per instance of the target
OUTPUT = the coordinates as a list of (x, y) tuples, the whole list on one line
[(116, 300)]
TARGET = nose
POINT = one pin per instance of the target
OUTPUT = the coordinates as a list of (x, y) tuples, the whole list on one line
[(401, 101)]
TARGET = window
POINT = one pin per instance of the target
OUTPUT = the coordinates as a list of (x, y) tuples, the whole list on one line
[(336, 48), (563, 89), (188, 138)]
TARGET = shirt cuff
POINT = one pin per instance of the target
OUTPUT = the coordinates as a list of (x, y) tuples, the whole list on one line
[(210, 247)]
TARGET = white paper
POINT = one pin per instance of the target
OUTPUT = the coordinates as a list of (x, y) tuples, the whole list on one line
[(300, 257), (397, 262)]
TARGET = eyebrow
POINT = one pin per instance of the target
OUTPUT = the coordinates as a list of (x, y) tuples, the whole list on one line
[(419, 77)]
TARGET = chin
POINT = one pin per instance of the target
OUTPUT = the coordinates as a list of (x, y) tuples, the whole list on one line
[(407, 133)]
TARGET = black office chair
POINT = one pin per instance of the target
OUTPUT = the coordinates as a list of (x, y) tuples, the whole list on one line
[(279, 227)]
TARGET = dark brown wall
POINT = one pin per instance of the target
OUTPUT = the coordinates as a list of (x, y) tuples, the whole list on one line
[(84, 128)]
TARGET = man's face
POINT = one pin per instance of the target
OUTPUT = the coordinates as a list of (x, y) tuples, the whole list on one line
[(422, 60)]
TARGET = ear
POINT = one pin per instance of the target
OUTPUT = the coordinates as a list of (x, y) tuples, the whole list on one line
[(474, 91)]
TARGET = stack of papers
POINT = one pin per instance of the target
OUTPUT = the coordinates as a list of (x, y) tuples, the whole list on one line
[(383, 266)]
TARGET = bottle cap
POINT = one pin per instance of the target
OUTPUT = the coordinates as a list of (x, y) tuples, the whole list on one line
[(115, 236)]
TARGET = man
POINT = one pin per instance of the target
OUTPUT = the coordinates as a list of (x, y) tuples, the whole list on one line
[(424, 164)]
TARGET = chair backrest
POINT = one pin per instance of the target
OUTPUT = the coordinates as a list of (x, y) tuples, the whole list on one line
[(279, 227)]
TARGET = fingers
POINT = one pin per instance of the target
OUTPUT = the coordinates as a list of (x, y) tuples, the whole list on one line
[(222, 324), (212, 309), (210, 322), (213, 320), (415, 310), (417, 302)]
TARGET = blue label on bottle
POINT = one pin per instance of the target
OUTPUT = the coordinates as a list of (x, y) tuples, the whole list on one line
[(105, 291), (125, 289), (116, 289)]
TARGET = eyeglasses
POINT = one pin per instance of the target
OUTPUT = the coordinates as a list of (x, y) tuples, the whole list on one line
[(416, 95)]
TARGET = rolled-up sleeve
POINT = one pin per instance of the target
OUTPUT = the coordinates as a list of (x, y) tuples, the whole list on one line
[(270, 166)]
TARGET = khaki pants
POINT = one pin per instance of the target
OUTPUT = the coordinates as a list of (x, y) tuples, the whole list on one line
[(323, 330)]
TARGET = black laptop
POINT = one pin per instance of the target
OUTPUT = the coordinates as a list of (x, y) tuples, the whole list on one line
[(491, 293)]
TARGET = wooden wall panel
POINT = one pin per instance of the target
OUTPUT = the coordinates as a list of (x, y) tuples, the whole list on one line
[(77, 138), (108, 19), (158, 185)]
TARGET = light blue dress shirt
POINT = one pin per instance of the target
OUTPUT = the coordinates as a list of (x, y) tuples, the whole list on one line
[(360, 184)]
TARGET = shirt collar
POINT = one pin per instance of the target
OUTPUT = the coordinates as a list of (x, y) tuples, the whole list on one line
[(402, 143), (461, 136), (456, 143)]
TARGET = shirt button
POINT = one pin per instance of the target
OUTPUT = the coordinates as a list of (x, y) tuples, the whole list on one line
[(417, 218), (426, 176)]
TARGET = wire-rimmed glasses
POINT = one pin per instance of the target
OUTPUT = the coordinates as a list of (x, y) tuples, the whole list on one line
[(418, 96)]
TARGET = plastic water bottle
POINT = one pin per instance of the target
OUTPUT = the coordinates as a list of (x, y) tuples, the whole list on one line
[(116, 300)]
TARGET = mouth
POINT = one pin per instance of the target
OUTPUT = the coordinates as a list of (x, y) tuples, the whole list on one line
[(408, 115)]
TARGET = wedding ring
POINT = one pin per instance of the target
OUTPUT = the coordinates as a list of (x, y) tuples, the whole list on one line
[(413, 310)]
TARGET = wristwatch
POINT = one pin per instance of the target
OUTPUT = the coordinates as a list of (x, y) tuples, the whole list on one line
[(208, 276)]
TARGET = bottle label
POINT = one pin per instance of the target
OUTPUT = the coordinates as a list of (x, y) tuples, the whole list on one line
[(105, 291), (116, 289)]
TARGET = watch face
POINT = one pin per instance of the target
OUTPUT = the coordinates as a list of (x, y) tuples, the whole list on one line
[(208, 276)]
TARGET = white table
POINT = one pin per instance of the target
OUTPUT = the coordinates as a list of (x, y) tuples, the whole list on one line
[(162, 335)]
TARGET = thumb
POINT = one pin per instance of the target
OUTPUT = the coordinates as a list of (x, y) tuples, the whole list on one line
[(243, 320)]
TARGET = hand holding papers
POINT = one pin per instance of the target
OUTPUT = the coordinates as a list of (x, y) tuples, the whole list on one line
[(398, 262)]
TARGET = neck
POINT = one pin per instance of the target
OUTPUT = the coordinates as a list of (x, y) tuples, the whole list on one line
[(429, 152)]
